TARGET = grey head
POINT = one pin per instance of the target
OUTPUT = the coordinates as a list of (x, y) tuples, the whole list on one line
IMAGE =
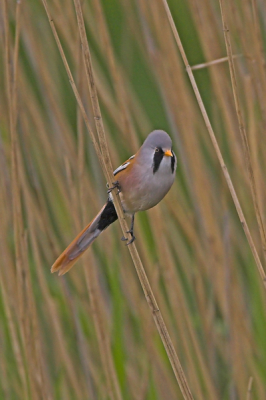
[(156, 153), (158, 139)]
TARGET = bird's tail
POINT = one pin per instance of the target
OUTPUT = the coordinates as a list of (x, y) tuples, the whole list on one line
[(68, 258)]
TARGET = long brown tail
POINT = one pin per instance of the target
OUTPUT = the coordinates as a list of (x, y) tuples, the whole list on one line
[(69, 257)]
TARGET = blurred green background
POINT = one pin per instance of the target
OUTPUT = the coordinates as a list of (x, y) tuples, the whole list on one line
[(90, 334)]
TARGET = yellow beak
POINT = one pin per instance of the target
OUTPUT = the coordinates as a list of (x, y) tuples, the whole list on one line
[(168, 153)]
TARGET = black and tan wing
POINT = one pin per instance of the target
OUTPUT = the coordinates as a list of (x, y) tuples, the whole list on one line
[(124, 165)]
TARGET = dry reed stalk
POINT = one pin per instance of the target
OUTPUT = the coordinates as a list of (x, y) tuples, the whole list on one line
[(46, 133), (11, 81), (7, 212), (216, 146), (37, 204), (32, 211), (106, 97), (124, 93), (17, 212), (149, 353), (195, 239), (237, 300), (34, 114), (203, 202), (50, 96), (113, 388), (218, 289), (242, 130), (214, 62), (73, 85), (33, 351), (254, 140), (170, 75), (27, 318), (249, 390), (7, 59), (107, 169), (210, 41), (73, 381), (14, 337), (258, 40), (47, 146), (255, 31), (81, 136), (249, 34), (133, 251), (97, 310), (104, 155), (115, 71), (103, 340), (178, 304)]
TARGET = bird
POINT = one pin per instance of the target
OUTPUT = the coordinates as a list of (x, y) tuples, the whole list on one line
[(142, 182)]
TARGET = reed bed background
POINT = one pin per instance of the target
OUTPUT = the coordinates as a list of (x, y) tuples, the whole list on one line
[(90, 334)]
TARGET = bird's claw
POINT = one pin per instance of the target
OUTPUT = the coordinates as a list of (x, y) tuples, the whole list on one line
[(131, 240), (124, 239), (116, 186)]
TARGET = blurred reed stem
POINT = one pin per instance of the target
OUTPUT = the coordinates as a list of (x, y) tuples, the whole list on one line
[(242, 130), (133, 251), (216, 146), (194, 250)]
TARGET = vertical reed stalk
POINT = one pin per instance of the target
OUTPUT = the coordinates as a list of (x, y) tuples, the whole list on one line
[(133, 250), (216, 145), (108, 172), (242, 130)]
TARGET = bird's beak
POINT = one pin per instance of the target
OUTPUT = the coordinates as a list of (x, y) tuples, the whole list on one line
[(168, 153)]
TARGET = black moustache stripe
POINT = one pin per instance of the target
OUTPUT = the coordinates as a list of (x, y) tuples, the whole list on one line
[(157, 159), (173, 163)]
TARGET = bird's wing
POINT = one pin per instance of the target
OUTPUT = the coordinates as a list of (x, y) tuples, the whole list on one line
[(124, 165)]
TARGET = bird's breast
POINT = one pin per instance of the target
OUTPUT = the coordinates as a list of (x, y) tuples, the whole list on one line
[(143, 189)]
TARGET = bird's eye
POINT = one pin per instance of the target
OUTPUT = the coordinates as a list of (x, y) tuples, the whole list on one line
[(156, 149)]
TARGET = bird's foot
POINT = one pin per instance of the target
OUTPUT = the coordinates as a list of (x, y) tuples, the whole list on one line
[(124, 239), (116, 185), (131, 240)]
